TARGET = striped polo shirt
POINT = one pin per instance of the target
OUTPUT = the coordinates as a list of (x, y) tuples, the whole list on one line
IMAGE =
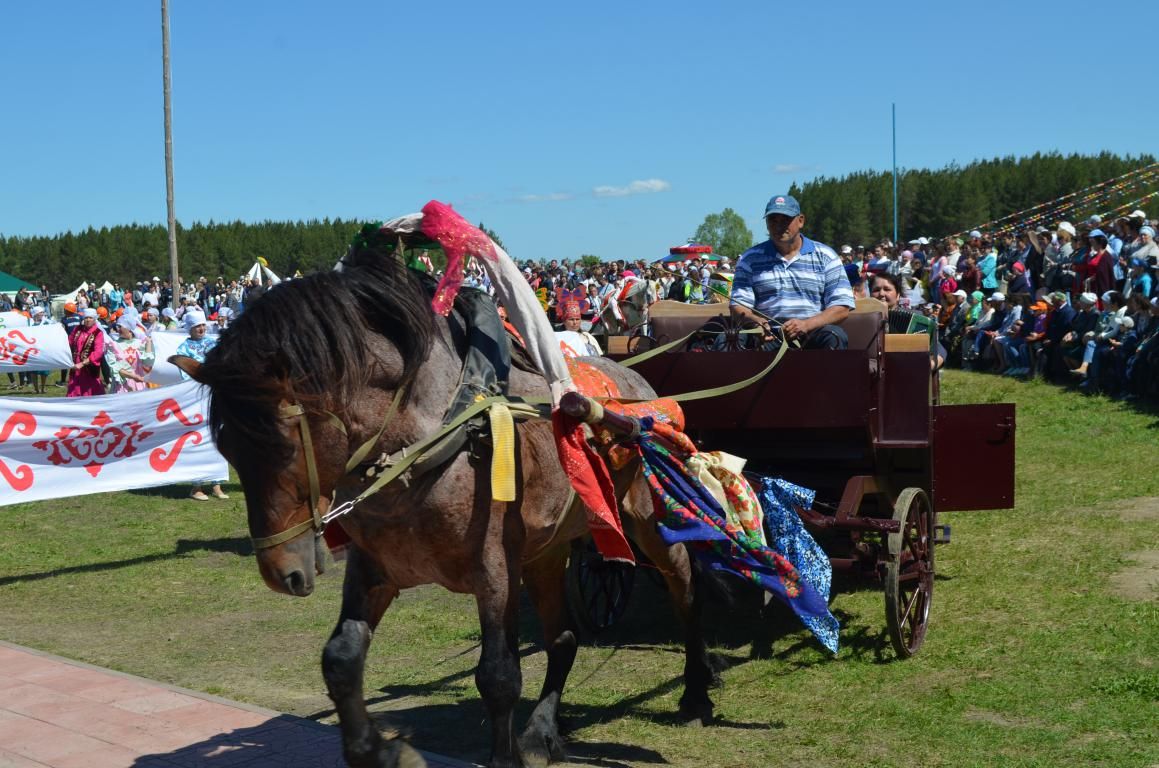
[(806, 286)]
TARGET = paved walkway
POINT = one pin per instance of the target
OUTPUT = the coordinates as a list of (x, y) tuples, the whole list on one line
[(56, 713)]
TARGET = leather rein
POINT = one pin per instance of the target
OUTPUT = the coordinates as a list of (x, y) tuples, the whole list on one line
[(317, 521)]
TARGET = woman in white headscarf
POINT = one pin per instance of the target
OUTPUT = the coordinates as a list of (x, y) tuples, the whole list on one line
[(87, 343), (129, 358), (197, 346)]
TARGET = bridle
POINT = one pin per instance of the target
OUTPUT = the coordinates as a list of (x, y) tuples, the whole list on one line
[(317, 521)]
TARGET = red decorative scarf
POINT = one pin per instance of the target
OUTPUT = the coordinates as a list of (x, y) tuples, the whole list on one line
[(459, 239)]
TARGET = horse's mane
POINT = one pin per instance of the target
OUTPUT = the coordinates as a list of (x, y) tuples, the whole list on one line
[(305, 339)]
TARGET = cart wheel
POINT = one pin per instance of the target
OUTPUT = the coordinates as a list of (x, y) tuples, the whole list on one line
[(597, 589), (640, 341), (909, 572)]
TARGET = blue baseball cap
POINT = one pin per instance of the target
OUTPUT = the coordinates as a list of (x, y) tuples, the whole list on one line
[(784, 205), (1097, 233)]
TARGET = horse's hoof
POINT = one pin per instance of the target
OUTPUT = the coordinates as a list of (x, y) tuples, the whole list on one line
[(696, 713), (541, 744), (396, 753)]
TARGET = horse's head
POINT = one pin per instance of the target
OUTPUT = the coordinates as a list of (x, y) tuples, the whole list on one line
[(290, 403), (289, 458)]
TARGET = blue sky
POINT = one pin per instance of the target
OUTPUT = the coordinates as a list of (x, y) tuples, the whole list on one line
[(569, 128)]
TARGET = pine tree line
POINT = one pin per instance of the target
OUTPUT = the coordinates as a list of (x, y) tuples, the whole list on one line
[(131, 253), (858, 208)]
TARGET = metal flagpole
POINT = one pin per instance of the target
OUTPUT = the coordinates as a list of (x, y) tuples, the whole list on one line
[(893, 107), (173, 280)]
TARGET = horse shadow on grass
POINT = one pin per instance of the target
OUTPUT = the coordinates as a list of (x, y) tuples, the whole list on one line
[(237, 546), (445, 714)]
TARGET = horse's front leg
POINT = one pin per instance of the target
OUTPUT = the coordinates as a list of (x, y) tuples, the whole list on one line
[(498, 676), (544, 577), (366, 594)]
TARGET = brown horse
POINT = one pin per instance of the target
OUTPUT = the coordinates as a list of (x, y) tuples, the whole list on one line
[(306, 376)]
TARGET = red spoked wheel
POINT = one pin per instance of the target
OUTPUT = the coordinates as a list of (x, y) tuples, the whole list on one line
[(909, 572)]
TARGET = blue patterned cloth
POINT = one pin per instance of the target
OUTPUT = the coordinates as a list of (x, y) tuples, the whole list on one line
[(687, 513), (787, 537)]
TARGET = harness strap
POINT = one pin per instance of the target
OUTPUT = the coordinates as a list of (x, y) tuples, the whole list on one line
[(364, 450), (315, 519), (400, 461)]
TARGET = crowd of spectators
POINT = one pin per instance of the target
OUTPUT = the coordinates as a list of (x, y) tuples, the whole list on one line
[(120, 352), (1077, 305)]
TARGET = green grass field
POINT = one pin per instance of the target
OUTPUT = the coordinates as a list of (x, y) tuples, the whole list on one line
[(1043, 648)]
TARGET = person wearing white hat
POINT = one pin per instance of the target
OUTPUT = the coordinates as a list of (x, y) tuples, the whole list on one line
[(1082, 329), (197, 346), (1098, 341), (224, 315), (989, 326), (129, 357), (87, 342), (38, 379)]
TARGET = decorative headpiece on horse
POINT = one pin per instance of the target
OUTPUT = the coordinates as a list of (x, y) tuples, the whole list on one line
[(458, 237), (571, 300)]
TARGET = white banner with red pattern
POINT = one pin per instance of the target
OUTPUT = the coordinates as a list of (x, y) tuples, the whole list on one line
[(25, 347), (57, 447)]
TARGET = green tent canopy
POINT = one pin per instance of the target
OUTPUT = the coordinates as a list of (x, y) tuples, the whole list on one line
[(10, 285)]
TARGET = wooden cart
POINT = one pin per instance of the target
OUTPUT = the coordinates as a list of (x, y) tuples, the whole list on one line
[(863, 427)]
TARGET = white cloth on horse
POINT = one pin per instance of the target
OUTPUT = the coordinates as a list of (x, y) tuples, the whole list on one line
[(526, 313), (523, 309)]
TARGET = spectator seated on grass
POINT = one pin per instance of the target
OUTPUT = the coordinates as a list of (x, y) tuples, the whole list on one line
[(989, 327), (1109, 375), (1106, 328), (1141, 370), (951, 332), (1019, 348), (1082, 329)]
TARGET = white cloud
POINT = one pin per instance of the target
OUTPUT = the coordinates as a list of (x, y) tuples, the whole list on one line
[(644, 187), (789, 168), (550, 197)]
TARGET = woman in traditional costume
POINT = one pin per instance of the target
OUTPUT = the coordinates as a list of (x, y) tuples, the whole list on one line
[(130, 359), (197, 346), (87, 343)]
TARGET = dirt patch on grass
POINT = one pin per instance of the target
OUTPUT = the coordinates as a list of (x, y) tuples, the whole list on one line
[(1144, 508), (996, 718), (1141, 580)]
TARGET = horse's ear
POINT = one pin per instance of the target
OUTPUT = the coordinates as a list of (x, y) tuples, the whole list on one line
[(191, 367)]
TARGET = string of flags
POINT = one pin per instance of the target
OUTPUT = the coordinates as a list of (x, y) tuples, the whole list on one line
[(1093, 199)]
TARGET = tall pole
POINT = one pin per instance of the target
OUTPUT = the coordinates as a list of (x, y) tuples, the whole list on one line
[(894, 109), (176, 292)]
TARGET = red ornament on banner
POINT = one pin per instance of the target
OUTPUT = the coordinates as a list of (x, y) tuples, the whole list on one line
[(20, 353), (22, 477), (93, 444), (158, 459)]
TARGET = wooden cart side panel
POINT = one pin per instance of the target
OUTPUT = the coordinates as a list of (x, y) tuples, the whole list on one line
[(973, 457)]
